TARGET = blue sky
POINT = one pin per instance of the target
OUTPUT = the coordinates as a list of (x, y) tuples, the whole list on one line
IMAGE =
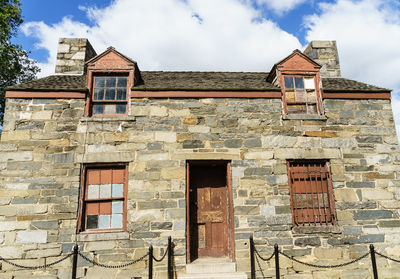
[(227, 35), (46, 11)]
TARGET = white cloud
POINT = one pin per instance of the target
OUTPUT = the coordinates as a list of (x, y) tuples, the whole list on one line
[(281, 6), (368, 39), (176, 35)]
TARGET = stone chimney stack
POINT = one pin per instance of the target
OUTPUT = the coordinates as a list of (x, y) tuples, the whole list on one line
[(325, 53), (72, 54)]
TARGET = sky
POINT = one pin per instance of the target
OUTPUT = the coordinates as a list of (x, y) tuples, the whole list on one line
[(223, 35)]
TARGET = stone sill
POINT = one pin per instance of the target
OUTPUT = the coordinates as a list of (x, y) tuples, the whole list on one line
[(85, 236), (316, 229), (303, 117), (107, 118)]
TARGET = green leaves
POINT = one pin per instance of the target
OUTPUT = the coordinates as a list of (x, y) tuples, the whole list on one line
[(15, 65)]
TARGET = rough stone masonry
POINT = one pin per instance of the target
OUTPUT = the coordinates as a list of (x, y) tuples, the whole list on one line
[(45, 141)]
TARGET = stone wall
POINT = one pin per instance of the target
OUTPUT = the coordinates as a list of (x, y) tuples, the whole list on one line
[(45, 141), (326, 54), (72, 53)]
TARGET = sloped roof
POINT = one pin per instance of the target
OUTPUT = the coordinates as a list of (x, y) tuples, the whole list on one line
[(193, 81)]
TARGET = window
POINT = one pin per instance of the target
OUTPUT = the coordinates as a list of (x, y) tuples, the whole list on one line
[(311, 194), (104, 198), (109, 95), (300, 95)]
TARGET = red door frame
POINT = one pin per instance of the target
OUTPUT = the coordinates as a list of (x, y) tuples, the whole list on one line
[(230, 217)]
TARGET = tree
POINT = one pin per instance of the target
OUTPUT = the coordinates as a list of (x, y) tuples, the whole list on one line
[(15, 65)]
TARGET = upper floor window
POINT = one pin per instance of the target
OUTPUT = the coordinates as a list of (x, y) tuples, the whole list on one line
[(300, 95), (109, 95)]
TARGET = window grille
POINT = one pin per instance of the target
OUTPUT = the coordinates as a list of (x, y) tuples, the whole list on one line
[(311, 193)]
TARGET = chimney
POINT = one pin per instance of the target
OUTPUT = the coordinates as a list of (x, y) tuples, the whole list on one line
[(72, 54), (325, 53)]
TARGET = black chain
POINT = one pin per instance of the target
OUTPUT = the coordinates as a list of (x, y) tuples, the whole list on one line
[(112, 266), (259, 266), (160, 260), (325, 266), (38, 266), (264, 259), (387, 257)]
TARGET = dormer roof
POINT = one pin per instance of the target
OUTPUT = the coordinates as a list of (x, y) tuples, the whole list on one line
[(295, 62), (109, 50)]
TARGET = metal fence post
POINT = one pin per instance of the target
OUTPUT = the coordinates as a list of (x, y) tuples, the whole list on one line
[(373, 260), (252, 262), (151, 261), (75, 261), (170, 253), (276, 252)]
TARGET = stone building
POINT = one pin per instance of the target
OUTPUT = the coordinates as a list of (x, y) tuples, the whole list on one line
[(115, 159)]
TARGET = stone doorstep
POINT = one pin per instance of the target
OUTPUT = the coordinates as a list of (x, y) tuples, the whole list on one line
[(212, 268), (211, 265)]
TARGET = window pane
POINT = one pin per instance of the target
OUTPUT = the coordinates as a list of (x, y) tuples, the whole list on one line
[(299, 82), (99, 94), (93, 192), (104, 221), (105, 191), (122, 82), (92, 221), (99, 82), (111, 82), (289, 82), (117, 190), (110, 94), (116, 221), (117, 207), (121, 109), (109, 109), (121, 94), (98, 109), (309, 83)]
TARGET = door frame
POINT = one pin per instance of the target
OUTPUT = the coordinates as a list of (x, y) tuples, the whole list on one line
[(230, 216)]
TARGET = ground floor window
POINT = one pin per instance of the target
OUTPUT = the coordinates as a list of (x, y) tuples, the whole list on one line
[(311, 193), (104, 198)]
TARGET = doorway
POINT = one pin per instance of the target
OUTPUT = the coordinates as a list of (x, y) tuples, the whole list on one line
[(209, 210)]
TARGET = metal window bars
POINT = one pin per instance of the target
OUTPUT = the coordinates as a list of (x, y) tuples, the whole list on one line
[(311, 193)]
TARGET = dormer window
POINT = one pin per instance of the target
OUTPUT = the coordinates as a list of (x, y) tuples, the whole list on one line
[(109, 95), (110, 77), (300, 95)]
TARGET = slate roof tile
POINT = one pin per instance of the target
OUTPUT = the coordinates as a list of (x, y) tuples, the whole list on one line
[(193, 81)]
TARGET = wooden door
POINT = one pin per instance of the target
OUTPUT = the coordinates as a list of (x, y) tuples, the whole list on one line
[(208, 211), (211, 221)]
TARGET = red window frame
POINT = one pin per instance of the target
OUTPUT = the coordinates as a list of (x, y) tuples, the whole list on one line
[(107, 174), (318, 100), (311, 192), (94, 102)]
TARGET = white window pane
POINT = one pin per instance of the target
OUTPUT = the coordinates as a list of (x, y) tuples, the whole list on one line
[(104, 221), (117, 190), (116, 221), (309, 83), (117, 206), (105, 191), (93, 192), (109, 109)]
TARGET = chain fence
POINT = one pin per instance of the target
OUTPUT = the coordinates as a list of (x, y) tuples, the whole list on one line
[(255, 256), (113, 266), (76, 253), (44, 266)]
